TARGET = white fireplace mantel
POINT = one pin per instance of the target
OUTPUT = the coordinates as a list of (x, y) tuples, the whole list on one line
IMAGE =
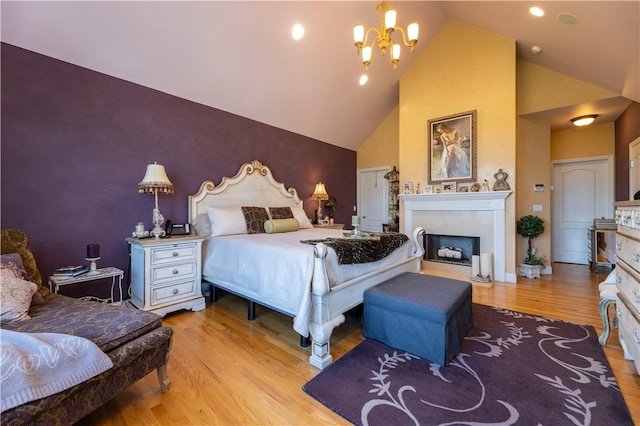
[(494, 201)]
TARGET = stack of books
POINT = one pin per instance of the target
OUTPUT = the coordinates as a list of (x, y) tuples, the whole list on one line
[(70, 271)]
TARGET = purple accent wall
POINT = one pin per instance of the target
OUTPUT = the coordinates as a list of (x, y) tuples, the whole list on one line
[(627, 130), (75, 144)]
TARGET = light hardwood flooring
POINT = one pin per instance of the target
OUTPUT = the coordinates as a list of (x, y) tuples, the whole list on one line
[(226, 370)]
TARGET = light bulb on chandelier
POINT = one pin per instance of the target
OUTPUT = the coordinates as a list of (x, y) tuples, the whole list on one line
[(384, 35)]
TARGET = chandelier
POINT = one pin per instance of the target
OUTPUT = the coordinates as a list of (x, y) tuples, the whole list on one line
[(383, 36)]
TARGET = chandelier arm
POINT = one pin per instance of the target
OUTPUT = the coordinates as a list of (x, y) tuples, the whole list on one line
[(404, 38), (366, 36)]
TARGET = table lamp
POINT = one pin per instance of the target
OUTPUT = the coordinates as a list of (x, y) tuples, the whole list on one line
[(320, 194), (155, 180)]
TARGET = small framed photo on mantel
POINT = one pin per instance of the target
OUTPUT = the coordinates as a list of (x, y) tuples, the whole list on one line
[(449, 186)]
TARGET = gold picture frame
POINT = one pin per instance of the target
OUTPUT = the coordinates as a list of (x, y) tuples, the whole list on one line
[(452, 148)]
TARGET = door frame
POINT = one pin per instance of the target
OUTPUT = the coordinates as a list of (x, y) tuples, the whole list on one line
[(610, 185), (632, 189), (382, 169)]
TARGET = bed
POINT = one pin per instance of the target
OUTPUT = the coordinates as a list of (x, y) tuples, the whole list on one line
[(286, 271)]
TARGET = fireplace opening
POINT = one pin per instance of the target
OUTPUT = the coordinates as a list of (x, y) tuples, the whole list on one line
[(454, 249)]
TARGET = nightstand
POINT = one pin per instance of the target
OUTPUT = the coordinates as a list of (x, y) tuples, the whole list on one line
[(55, 282), (166, 274), (334, 226)]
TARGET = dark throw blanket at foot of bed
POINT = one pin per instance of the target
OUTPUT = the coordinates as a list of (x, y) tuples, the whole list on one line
[(513, 369), (361, 250)]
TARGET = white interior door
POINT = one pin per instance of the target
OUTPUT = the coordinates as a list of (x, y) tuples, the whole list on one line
[(634, 167), (373, 198), (582, 191)]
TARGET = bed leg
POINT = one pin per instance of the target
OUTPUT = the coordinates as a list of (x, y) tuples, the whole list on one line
[(305, 342), (251, 312), (213, 296), (163, 378)]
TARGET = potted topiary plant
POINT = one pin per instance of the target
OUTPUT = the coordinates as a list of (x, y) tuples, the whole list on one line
[(530, 227)]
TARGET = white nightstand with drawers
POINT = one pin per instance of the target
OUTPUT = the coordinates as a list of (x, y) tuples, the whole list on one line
[(166, 274)]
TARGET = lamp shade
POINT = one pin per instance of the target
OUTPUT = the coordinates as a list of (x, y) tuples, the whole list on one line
[(155, 180), (320, 193)]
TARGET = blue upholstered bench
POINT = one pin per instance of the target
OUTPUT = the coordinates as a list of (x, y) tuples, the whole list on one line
[(425, 315)]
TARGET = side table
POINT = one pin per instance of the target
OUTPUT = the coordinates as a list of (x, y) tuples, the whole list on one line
[(55, 282)]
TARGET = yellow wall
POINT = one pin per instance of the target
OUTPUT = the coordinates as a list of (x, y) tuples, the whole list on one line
[(382, 147), (533, 159), (463, 68), (583, 142)]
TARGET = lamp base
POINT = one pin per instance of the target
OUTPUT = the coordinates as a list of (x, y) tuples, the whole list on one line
[(157, 220), (93, 266)]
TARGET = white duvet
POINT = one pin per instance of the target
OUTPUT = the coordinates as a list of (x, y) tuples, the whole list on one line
[(276, 270)]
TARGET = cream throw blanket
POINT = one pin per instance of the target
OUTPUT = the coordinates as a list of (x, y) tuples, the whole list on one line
[(36, 365)]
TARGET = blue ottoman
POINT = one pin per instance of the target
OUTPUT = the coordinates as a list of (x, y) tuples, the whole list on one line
[(425, 315)]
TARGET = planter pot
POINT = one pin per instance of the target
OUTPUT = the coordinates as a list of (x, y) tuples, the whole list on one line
[(530, 271)]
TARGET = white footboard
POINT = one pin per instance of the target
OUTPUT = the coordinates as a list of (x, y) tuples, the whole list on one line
[(328, 305)]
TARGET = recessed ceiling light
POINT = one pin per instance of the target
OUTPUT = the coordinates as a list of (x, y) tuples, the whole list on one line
[(568, 19), (584, 120), (536, 11), (363, 79), (297, 32)]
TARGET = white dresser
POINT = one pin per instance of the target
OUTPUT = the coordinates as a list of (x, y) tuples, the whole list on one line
[(628, 278), (166, 274)]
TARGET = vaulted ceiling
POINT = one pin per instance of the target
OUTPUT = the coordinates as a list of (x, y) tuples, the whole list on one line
[(239, 56)]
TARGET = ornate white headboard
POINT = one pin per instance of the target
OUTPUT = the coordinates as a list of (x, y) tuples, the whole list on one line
[(253, 185)]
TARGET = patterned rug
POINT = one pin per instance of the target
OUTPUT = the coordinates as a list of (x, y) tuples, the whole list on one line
[(513, 368)]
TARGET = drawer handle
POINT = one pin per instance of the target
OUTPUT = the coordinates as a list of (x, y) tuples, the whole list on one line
[(636, 336), (175, 254), (618, 279), (636, 296), (175, 291), (619, 245), (618, 312), (635, 255), (176, 272)]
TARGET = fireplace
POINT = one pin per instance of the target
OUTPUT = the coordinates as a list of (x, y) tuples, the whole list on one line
[(464, 213), (455, 249)]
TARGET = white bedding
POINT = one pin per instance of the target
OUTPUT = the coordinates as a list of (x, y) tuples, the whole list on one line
[(276, 270)]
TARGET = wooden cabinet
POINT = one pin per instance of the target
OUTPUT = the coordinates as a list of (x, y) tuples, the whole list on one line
[(628, 278), (166, 274)]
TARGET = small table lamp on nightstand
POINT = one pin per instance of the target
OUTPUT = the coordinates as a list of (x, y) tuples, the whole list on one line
[(320, 194), (156, 180)]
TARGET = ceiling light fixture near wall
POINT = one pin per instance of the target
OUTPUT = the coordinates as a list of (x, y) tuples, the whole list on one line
[(584, 120), (384, 35), (297, 32), (567, 18), (536, 11)]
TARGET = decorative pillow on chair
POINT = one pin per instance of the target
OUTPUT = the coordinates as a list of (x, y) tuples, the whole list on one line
[(280, 213), (255, 217), (15, 297), (13, 262), (226, 221), (15, 241)]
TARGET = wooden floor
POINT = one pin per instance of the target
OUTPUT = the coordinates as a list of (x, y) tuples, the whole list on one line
[(226, 370)]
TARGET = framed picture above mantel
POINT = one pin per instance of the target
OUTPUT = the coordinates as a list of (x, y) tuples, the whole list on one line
[(452, 148)]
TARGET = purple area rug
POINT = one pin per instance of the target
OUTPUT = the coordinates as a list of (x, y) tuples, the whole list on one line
[(513, 368)]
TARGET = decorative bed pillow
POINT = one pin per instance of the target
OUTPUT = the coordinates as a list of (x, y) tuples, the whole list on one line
[(16, 241), (226, 221), (301, 216), (202, 225), (281, 225), (13, 262), (280, 213), (255, 217), (15, 297)]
